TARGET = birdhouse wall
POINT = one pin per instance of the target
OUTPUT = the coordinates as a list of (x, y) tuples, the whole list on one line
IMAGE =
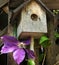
[(33, 19)]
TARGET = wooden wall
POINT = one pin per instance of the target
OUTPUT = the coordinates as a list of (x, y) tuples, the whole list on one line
[(52, 4)]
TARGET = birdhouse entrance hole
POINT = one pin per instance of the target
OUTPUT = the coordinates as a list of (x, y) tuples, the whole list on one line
[(34, 17)]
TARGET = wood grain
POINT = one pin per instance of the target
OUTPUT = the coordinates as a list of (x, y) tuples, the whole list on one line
[(51, 4)]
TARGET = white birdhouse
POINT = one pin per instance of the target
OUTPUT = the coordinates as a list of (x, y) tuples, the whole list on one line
[(33, 19)]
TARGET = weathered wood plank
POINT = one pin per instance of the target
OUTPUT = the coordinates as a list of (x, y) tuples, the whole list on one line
[(50, 1), (10, 60), (3, 2), (51, 50), (51, 4)]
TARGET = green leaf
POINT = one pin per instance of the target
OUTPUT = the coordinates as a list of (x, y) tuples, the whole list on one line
[(44, 41), (31, 62), (56, 35), (45, 44)]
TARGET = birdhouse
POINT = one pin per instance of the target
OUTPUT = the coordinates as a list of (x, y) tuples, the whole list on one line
[(33, 19)]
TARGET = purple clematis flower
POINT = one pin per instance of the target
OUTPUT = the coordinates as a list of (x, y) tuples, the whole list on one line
[(11, 44)]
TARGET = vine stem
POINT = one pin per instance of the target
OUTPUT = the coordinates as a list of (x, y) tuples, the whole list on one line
[(44, 59)]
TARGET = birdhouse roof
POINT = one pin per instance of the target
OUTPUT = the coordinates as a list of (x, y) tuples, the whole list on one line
[(38, 1)]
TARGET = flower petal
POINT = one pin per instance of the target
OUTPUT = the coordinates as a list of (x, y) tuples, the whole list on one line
[(30, 54), (19, 55), (7, 49), (9, 40), (26, 42)]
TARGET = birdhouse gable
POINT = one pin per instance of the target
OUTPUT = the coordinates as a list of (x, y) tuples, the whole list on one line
[(33, 19)]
